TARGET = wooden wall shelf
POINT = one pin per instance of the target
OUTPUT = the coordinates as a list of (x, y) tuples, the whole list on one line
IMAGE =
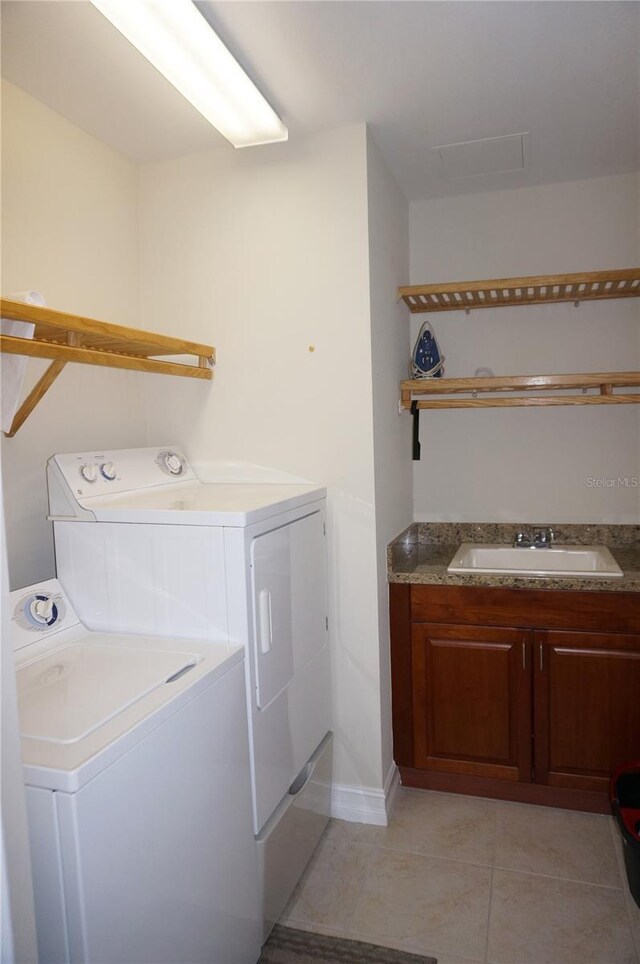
[(534, 290), (64, 338), (412, 390), (508, 292)]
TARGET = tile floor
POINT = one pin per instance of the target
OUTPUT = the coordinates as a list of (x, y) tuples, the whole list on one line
[(471, 881)]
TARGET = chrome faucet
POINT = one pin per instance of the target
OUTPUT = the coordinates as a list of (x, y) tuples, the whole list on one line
[(539, 539)]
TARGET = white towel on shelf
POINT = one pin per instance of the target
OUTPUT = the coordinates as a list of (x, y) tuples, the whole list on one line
[(14, 366)]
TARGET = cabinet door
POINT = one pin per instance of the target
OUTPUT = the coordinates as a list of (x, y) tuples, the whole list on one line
[(472, 700), (587, 707)]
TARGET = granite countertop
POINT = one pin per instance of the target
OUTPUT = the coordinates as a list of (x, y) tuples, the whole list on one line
[(423, 551)]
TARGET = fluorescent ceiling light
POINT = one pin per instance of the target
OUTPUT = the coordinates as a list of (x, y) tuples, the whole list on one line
[(179, 42)]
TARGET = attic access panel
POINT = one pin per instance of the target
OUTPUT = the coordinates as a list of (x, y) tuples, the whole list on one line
[(488, 155)]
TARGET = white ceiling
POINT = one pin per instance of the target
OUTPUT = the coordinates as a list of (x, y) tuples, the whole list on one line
[(421, 74)]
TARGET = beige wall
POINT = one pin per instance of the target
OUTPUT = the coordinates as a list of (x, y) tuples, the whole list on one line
[(265, 253), (530, 464), (69, 230), (388, 268)]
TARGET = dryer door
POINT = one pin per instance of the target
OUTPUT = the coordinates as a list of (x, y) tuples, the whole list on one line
[(289, 602)]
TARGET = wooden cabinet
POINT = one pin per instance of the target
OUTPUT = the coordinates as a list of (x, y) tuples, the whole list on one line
[(472, 700), (530, 695), (587, 707)]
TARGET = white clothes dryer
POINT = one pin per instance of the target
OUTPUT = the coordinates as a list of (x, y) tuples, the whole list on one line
[(144, 545), (137, 783)]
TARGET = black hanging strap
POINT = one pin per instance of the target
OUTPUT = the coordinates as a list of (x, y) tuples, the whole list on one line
[(415, 411)]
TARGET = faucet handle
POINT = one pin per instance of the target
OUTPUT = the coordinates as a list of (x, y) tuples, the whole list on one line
[(543, 537), (522, 538)]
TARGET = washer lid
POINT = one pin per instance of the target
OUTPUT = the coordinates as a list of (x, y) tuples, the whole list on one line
[(85, 700), (71, 692)]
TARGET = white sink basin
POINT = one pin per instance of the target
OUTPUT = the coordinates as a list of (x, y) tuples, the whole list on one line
[(591, 561)]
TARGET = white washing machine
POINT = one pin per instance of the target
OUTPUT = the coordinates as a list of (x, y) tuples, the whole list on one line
[(143, 545), (137, 782)]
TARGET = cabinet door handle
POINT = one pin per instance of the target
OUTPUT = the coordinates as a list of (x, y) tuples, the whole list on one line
[(541, 663), (524, 654)]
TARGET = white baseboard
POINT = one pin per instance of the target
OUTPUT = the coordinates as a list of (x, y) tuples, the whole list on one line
[(391, 787), (366, 804)]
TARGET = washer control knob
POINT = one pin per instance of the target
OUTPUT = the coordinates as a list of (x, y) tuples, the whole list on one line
[(173, 463), (41, 611), (108, 470), (89, 472)]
